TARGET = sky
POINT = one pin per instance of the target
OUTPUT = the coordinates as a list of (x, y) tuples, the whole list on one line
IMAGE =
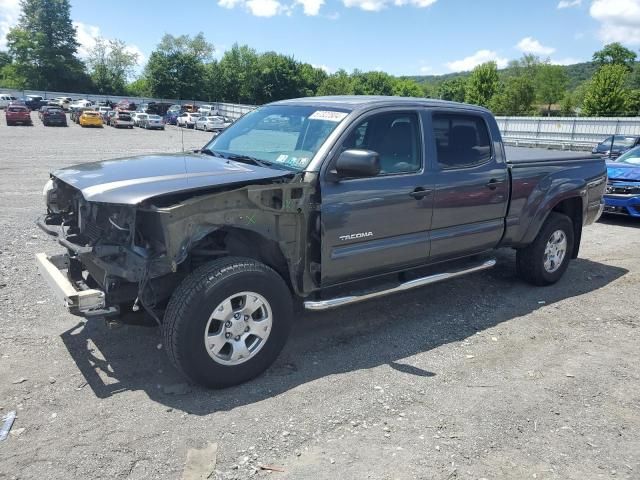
[(401, 37)]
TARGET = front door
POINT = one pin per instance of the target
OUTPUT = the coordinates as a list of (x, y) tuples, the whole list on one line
[(376, 225)]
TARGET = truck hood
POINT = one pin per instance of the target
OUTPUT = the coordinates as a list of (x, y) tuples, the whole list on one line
[(623, 171), (132, 180)]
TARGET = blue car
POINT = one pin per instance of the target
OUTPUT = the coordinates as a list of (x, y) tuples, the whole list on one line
[(623, 187)]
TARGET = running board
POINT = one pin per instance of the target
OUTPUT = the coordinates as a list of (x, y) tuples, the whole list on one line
[(418, 282)]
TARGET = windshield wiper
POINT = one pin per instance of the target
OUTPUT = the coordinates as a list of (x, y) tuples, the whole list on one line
[(247, 159), (211, 152)]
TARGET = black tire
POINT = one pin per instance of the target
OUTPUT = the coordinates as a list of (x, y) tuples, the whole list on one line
[(192, 303), (530, 260)]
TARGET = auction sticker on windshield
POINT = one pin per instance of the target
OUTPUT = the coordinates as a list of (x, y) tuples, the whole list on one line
[(328, 115)]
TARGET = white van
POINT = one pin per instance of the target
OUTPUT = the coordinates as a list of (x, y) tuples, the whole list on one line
[(5, 99)]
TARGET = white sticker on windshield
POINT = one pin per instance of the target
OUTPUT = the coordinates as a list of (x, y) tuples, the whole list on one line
[(328, 115), (282, 158)]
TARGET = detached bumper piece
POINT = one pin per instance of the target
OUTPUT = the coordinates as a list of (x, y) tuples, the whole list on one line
[(82, 302)]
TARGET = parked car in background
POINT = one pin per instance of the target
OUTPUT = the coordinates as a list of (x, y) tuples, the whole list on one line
[(62, 102), (53, 116), (138, 117), (121, 120), (213, 123), (80, 104), (616, 145), (126, 105), (18, 114), (207, 110), (187, 119), (76, 113), (152, 122), (189, 107), (6, 99), (155, 108), (34, 102), (623, 185), (90, 118)]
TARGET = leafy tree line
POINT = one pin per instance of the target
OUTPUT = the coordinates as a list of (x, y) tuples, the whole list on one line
[(42, 54)]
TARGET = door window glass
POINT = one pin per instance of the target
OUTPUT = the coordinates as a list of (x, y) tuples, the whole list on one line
[(461, 140), (394, 136)]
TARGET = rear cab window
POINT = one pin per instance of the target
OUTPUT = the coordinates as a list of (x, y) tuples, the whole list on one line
[(462, 140)]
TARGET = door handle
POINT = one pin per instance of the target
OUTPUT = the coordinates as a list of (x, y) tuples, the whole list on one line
[(493, 184), (419, 193)]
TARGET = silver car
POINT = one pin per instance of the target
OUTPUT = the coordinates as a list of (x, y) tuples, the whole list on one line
[(211, 124), (151, 122)]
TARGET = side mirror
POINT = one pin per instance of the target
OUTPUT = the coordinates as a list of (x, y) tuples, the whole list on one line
[(358, 163)]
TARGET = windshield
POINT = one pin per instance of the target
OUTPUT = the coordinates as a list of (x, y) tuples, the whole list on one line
[(632, 157), (620, 141), (154, 117), (286, 135)]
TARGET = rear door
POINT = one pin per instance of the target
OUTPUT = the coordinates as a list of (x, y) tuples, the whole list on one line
[(376, 225), (472, 185)]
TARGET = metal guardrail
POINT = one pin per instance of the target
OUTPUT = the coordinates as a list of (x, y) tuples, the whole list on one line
[(231, 110), (565, 132)]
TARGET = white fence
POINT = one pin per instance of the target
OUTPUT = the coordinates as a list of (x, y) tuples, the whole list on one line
[(231, 110), (565, 132)]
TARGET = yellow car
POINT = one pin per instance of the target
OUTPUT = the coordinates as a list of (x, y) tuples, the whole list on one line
[(90, 118)]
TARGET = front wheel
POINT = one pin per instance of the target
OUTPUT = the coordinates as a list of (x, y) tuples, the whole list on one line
[(545, 260), (227, 322)]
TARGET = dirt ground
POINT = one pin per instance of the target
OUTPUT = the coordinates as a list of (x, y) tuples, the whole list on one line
[(480, 377)]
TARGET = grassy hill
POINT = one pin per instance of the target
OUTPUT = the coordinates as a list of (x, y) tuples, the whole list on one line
[(577, 74)]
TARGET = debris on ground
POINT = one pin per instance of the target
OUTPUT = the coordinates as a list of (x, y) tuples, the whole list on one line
[(271, 468), (201, 463), (7, 423), (18, 381)]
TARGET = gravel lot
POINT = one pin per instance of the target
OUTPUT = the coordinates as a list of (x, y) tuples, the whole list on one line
[(480, 377)]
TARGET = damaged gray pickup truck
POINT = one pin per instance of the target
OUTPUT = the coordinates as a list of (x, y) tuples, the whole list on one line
[(327, 201)]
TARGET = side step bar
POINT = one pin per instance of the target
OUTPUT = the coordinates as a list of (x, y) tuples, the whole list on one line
[(418, 282)]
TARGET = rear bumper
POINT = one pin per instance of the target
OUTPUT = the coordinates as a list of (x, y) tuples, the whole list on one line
[(87, 302)]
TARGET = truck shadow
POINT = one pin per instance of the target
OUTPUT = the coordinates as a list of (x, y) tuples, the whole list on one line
[(620, 220), (380, 332)]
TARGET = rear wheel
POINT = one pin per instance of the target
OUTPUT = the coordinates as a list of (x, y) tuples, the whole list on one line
[(227, 322), (545, 260)]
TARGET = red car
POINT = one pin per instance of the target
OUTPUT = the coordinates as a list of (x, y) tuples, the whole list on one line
[(18, 114)]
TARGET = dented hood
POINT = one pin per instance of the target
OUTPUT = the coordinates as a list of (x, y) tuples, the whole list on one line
[(623, 171), (132, 180)]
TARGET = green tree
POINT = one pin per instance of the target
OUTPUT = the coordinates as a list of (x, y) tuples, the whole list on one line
[(176, 68), (567, 105), (372, 83), (139, 88), (238, 74), (615, 54), (43, 45), (278, 77), (312, 78), (551, 84), (606, 94), (111, 65), (453, 90), (339, 83), (482, 84), (515, 97), (408, 88)]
